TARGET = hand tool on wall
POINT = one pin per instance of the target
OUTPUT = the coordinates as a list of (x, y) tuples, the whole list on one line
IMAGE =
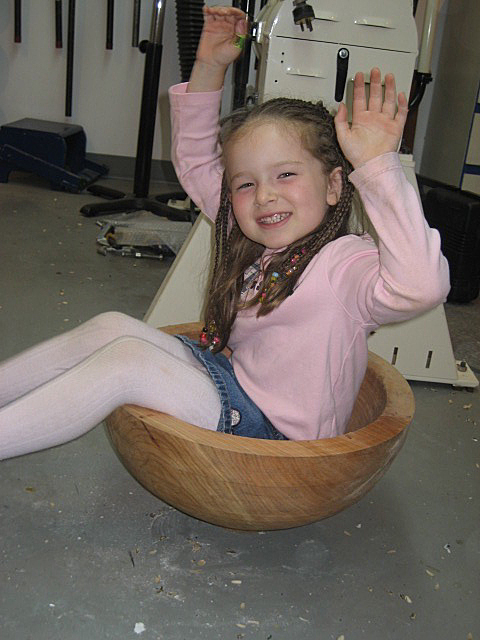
[(70, 46), (58, 24), (18, 21), (136, 22), (110, 7)]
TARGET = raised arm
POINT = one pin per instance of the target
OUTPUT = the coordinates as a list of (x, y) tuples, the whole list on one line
[(409, 274), (195, 108), (221, 42)]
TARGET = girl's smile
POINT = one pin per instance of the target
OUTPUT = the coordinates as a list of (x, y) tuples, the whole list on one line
[(275, 219), (280, 192)]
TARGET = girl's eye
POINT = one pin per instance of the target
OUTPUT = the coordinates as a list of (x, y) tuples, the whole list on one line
[(245, 185), (286, 174)]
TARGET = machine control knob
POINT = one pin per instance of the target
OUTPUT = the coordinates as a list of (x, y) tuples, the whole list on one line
[(342, 69)]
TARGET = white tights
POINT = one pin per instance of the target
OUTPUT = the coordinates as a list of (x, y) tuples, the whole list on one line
[(61, 388)]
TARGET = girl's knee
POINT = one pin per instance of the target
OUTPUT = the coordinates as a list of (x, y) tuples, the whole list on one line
[(131, 352), (114, 322), (132, 360)]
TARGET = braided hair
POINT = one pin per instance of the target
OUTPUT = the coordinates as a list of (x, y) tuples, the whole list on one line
[(234, 252)]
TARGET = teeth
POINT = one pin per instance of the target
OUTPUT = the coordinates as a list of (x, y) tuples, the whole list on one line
[(277, 217)]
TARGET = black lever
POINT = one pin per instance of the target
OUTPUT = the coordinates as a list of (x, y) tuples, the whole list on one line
[(342, 69)]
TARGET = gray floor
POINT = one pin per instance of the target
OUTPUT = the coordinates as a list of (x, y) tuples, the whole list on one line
[(87, 553)]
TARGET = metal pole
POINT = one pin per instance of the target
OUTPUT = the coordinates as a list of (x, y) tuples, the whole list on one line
[(70, 47), (148, 111), (158, 18)]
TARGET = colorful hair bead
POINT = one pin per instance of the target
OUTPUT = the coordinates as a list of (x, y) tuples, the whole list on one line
[(276, 276), (209, 337)]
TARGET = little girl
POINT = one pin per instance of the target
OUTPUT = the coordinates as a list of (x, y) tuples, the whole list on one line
[(293, 295)]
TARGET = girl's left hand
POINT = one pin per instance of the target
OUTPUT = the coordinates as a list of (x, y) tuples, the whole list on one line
[(375, 129)]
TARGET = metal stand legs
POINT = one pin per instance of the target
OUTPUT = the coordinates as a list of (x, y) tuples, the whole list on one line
[(143, 164)]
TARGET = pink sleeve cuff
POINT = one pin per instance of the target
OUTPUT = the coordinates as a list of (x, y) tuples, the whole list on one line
[(374, 167), (178, 96)]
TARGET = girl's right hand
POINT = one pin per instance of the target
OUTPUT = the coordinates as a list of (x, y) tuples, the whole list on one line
[(220, 25)]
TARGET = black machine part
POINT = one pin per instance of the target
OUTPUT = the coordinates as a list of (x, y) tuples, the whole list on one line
[(456, 215), (241, 66), (420, 81)]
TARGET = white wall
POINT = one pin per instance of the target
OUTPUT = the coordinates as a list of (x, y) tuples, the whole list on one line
[(106, 84)]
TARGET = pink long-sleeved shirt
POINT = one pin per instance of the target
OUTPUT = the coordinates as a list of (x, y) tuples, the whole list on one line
[(304, 362)]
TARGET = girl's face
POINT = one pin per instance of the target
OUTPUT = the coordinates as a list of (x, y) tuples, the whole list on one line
[(279, 190)]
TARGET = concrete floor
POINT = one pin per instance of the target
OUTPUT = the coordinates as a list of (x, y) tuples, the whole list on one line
[(87, 553)]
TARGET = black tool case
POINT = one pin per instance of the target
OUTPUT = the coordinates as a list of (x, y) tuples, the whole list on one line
[(53, 150), (456, 215)]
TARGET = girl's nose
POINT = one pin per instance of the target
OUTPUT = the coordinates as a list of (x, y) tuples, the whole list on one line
[(264, 194)]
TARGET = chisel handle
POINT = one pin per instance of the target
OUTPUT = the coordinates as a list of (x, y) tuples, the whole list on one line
[(110, 7), (58, 24), (136, 22), (18, 21)]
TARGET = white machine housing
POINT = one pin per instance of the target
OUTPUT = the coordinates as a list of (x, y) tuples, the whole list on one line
[(303, 64)]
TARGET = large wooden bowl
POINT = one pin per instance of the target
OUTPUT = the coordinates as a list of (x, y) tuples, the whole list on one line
[(246, 483)]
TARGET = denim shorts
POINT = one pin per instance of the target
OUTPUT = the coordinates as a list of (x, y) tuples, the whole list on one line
[(239, 416)]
